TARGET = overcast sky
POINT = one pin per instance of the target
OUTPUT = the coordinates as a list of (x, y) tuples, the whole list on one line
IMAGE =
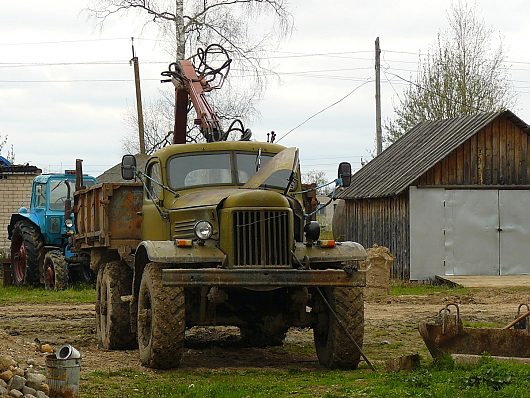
[(54, 114)]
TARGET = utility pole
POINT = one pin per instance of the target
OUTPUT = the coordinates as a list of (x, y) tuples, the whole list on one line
[(378, 130), (139, 110)]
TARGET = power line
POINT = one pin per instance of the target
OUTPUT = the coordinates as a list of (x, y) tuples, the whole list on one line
[(323, 110), (63, 41)]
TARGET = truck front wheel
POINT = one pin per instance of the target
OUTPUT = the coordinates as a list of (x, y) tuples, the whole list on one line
[(333, 345), (26, 253), (55, 271), (161, 321), (112, 314)]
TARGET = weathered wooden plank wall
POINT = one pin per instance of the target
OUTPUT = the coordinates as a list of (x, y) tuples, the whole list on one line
[(382, 221), (496, 155)]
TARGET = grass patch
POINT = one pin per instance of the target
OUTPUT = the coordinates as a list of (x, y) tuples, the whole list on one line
[(76, 294), (487, 379), (401, 288), (482, 324)]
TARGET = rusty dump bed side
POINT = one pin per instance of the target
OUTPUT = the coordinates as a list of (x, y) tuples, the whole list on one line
[(108, 215)]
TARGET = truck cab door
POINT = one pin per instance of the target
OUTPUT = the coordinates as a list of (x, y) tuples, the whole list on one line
[(154, 227)]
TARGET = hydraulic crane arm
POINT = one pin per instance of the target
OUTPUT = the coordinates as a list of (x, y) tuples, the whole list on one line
[(192, 83), (190, 86)]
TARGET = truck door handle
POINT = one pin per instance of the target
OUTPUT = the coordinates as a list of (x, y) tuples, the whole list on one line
[(499, 229)]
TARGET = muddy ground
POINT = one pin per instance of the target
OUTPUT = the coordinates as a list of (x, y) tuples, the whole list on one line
[(390, 331)]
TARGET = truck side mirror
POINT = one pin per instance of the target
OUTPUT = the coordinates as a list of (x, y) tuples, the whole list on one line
[(128, 167), (345, 173)]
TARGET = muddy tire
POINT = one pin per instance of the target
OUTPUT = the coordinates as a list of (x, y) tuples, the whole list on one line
[(161, 321), (112, 314), (333, 346), (55, 271), (26, 253)]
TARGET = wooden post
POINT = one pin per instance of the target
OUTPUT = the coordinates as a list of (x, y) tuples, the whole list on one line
[(139, 109), (378, 130)]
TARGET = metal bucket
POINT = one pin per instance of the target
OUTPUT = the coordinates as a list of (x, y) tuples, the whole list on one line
[(63, 376)]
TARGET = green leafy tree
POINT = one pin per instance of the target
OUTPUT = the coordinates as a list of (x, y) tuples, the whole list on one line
[(463, 74)]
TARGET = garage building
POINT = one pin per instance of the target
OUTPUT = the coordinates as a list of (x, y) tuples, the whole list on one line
[(450, 197)]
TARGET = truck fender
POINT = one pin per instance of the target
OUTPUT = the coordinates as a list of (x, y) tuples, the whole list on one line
[(343, 251), (167, 252), (16, 217)]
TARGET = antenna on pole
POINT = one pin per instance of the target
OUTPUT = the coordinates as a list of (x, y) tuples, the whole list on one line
[(139, 109), (378, 130)]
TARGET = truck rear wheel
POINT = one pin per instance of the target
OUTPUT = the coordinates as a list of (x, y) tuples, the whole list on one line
[(161, 321), (55, 271), (333, 346), (112, 314), (26, 253)]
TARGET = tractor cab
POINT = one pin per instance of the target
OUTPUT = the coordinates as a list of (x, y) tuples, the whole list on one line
[(47, 209), (44, 228)]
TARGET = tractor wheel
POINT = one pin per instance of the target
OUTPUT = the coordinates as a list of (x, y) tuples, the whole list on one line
[(55, 271), (161, 321), (333, 346), (80, 271), (26, 253), (113, 326)]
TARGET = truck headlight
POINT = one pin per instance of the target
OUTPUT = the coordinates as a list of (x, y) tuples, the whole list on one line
[(68, 223), (203, 229)]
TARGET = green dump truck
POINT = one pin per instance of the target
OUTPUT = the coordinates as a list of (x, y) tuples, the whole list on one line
[(216, 234)]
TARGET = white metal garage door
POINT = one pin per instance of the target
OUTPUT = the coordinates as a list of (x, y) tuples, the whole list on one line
[(471, 244), (469, 232)]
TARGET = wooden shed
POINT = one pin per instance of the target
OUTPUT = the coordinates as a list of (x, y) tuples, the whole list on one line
[(450, 197)]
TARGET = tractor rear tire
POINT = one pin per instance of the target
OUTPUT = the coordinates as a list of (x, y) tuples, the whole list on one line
[(27, 253), (333, 345), (161, 321), (55, 271), (113, 326)]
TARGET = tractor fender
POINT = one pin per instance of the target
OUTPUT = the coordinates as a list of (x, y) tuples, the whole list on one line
[(16, 217), (343, 251)]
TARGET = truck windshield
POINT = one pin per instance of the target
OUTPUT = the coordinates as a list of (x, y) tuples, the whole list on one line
[(208, 169), (202, 169)]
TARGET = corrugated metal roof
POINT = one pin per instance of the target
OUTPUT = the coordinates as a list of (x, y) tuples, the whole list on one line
[(417, 151)]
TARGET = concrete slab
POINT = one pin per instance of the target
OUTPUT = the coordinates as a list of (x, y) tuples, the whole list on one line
[(486, 280)]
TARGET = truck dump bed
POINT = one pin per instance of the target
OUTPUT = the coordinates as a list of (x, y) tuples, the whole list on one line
[(108, 215)]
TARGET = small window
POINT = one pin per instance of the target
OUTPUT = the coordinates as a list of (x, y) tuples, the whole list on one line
[(58, 194), (40, 195), (154, 190)]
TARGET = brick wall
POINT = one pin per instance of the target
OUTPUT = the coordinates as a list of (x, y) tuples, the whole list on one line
[(15, 190)]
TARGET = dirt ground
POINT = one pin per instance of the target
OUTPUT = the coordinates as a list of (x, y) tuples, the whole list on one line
[(390, 331)]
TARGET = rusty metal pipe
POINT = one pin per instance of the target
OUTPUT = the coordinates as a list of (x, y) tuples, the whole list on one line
[(519, 318)]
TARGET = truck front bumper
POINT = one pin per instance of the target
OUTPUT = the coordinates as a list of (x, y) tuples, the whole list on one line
[(261, 277)]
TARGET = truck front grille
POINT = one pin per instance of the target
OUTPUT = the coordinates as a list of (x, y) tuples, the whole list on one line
[(261, 238)]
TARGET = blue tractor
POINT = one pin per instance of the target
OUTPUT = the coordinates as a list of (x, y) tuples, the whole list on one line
[(40, 238)]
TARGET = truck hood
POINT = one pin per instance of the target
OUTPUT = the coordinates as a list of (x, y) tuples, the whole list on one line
[(282, 163)]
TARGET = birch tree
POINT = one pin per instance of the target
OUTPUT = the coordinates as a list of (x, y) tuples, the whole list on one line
[(463, 74), (247, 29)]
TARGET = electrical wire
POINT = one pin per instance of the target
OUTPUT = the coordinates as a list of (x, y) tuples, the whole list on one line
[(324, 109)]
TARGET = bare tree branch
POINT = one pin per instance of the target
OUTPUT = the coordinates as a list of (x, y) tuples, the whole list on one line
[(463, 74)]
